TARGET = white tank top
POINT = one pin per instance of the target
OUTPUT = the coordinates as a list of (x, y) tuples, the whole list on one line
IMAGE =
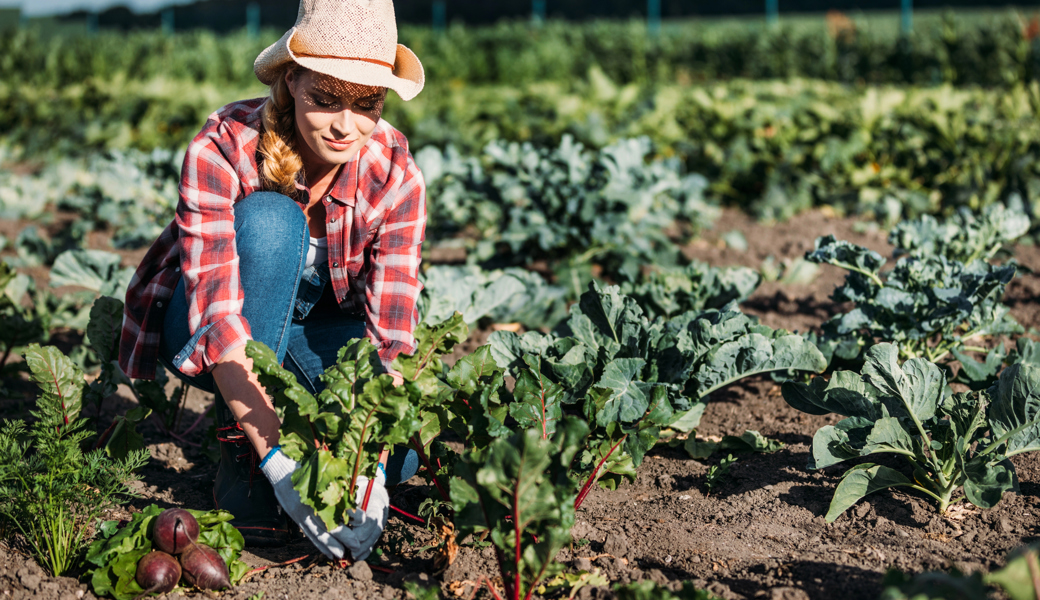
[(317, 252)]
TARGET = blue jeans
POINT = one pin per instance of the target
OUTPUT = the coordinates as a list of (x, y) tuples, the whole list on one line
[(288, 307)]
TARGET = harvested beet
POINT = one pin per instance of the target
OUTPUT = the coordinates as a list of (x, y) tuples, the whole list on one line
[(157, 573), (204, 569), (175, 530)]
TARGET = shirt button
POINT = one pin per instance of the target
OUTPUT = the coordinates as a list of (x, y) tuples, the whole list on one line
[(333, 220), (159, 304), (328, 199), (335, 264)]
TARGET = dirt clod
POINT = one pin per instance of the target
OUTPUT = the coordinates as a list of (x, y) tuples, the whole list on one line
[(360, 571), (616, 544), (786, 593)]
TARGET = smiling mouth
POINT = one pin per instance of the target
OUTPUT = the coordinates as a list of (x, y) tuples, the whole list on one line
[(338, 143)]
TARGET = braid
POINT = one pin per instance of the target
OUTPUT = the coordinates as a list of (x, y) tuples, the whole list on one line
[(281, 163)]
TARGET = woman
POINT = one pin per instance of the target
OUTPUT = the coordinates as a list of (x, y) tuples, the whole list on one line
[(300, 224)]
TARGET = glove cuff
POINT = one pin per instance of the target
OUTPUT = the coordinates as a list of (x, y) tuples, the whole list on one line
[(277, 466)]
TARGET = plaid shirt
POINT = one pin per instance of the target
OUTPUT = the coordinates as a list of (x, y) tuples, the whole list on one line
[(375, 225)]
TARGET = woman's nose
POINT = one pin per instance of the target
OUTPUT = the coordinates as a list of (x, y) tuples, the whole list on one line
[(344, 123)]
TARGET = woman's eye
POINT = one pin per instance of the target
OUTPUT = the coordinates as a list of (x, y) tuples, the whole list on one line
[(322, 102)]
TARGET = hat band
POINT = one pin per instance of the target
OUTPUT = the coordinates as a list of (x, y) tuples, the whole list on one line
[(368, 60)]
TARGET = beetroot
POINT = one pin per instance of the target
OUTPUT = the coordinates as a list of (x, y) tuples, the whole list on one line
[(157, 573), (204, 569), (175, 530)]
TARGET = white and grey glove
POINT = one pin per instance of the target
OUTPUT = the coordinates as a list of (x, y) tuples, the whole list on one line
[(279, 469), (366, 525)]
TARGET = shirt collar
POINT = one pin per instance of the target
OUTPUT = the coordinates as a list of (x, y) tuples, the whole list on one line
[(344, 189)]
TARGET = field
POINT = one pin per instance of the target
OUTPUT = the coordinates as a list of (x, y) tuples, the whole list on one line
[(647, 301)]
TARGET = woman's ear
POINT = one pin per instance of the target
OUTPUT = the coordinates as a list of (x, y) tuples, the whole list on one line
[(291, 81)]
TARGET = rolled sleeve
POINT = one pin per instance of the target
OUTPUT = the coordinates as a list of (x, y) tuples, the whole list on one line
[(211, 344)]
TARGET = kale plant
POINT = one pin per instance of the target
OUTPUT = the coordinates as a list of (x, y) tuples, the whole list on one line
[(51, 489), (510, 295), (669, 292), (567, 204), (929, 306), (633, 377), (952, 442), (966, 236)]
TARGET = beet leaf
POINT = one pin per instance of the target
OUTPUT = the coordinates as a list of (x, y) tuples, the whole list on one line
[(115, 554), (338, 436), (519, 490)]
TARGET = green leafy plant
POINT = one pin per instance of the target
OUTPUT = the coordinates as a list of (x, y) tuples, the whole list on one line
[(19, 327), (51, 490), (520, 492), (511, 295), (719, 473), (670, 292), (951, 441), (567, 205), (748, 442), (339, 435), (632, 377), (965, 236), (115, 555), (929, 306)]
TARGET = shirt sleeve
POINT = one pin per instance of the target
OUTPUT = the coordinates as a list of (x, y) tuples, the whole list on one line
[(209, 260), (392, 286)]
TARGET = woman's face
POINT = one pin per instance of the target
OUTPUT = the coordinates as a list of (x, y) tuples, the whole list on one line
[(334, 118)]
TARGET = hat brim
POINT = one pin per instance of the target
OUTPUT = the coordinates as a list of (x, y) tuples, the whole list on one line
[(407, 77)]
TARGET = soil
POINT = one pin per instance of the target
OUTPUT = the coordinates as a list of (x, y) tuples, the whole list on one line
[(760, 534)]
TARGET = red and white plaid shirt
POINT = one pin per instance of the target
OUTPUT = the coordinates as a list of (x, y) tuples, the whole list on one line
[(376, 224)]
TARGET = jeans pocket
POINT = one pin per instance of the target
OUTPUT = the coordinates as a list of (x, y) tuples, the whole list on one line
[(312, 285)]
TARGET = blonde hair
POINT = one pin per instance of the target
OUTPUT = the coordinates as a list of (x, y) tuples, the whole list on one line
[(281, 163)]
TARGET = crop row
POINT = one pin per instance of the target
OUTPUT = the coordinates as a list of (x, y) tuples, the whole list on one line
[(962, 50), (773, 148), (608, 384)]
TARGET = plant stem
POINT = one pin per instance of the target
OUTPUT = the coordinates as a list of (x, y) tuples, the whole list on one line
[(491, 587), (927, 446), (197, 421), (516, 530), (975, 349), (419, 448), (595, 475), (180, 405)]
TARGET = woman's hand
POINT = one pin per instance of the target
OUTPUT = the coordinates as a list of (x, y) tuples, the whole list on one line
[(278, 468), (366, 525), (398, 379)]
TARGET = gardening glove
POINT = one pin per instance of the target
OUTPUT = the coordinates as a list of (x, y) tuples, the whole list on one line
[(366, 525), (279, 469)]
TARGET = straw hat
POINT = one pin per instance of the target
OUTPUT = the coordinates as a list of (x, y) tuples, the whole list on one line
[(352, 40)]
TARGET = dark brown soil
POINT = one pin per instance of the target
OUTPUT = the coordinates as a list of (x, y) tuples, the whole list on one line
[(760, 534)]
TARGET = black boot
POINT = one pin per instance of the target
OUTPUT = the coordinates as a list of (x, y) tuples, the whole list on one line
[(242, 489)]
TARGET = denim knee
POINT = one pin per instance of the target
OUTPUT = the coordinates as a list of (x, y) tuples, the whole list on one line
[(268, 225)]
